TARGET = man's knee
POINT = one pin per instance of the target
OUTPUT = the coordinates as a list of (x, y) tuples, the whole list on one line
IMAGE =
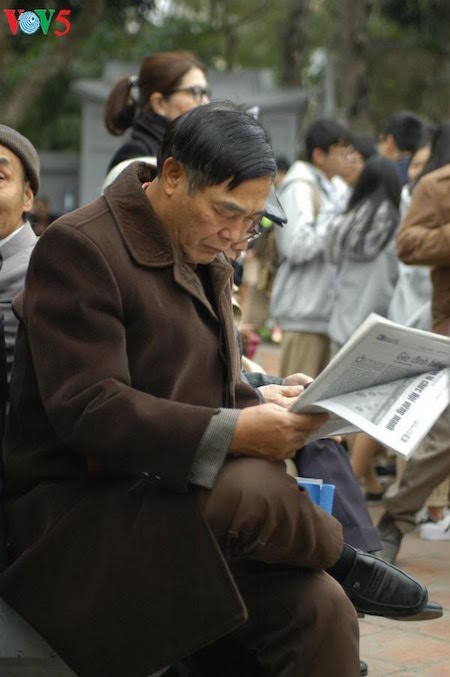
[(247, 486)]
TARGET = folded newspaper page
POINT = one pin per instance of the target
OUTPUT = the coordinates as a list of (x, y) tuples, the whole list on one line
[(390, 381)]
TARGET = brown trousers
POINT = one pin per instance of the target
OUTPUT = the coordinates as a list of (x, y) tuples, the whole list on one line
[(300, 623), (425, 470), (303, 352)]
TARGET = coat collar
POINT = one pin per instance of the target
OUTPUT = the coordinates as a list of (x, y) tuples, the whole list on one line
[(144, 236), (150, 127), (23, 239), (441, 174), (146, 239)]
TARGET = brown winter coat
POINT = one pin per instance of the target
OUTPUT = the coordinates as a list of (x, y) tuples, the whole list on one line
[(121, 362), (424, 238)]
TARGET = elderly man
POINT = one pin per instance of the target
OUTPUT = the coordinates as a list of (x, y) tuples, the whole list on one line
[(19, 183), (149, 509)]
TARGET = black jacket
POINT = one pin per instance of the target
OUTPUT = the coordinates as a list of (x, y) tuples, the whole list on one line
[(146, 136)]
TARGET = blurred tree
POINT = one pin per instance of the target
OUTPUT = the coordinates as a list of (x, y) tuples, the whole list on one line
[(385, 55), (237, 33), (408, 58), (352, 52), (31, 61), (294, 42), (36, 70), (389, 56), (427, 19)]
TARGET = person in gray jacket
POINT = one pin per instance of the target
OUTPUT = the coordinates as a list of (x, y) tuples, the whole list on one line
[(311, 194), (361, 244), (19, 183)]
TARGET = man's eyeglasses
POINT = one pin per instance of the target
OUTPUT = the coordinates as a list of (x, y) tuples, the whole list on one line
[(273, 213), (252, 234), (198, 93)]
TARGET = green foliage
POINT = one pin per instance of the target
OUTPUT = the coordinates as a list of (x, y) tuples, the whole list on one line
[(408, 65), (423, 22), (407, 58), (54, 123)]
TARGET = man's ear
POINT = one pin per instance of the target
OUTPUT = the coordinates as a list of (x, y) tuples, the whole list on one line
[(391, 145), (172, 174), (318, 156), (28, 198)]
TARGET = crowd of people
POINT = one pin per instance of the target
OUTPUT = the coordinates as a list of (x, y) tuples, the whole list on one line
[(365, 235), (153, 522)]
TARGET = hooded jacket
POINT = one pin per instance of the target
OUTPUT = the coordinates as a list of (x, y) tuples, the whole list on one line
[(302, 291)]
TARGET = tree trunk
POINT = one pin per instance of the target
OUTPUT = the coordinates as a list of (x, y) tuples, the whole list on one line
[(294, 35), (52, 60), (353, 44), (231, 42)]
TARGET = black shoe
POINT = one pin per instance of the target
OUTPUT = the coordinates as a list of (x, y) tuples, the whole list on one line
[(391, 538), (430, 612), (377, 588), (363, 669)]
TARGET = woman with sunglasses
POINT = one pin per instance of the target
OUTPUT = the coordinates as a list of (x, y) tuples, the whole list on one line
[(168, 84)]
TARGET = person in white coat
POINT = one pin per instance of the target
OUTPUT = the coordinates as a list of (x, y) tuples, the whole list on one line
[(312, 193)]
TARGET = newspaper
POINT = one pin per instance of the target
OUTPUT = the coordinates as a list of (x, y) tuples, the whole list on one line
[(390, 381)]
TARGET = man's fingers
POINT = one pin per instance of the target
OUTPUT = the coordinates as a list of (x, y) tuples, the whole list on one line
[(297, 379), (310, 421), (291, 391)]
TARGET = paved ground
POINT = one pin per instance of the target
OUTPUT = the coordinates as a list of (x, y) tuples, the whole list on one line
[(400, 648), (416, 648)]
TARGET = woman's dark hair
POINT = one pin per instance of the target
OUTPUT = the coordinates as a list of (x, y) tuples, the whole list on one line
[(440, 149), (365, 145), (216, 142), (158, 73), (379, 180), (363, 234)]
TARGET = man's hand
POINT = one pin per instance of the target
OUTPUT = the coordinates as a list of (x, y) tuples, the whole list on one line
[(285, 396), (269, 431), (298, 379)]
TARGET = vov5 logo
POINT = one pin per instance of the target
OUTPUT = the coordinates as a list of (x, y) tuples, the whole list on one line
[(30, 22)]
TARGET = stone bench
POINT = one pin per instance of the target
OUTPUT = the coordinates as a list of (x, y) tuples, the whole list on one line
[(23, 653)]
